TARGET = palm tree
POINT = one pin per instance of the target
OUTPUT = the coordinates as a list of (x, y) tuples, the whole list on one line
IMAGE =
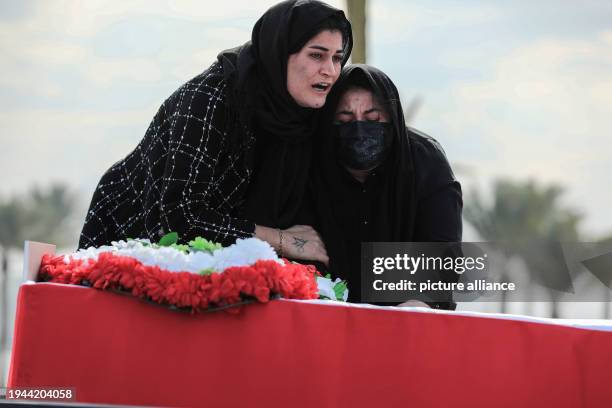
[(522, 213), (607, 241)]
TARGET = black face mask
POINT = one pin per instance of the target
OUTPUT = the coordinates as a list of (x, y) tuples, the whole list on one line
[(362, 145)]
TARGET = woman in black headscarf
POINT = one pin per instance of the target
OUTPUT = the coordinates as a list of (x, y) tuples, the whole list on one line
[(227, 155), (376, 180)]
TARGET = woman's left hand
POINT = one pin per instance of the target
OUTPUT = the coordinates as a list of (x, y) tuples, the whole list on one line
[(413, 303)]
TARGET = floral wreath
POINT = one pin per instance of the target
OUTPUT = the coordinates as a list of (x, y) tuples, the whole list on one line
[(199, 276)]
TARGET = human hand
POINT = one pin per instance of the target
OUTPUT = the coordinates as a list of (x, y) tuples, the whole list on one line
[(299, 242), (304, 242), (413, 303)]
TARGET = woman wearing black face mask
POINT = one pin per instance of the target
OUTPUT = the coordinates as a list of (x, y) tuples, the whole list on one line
[(227, 155), (376, 180)]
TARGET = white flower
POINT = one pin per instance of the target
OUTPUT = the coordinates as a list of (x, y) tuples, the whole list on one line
[(244, 252), (201, 261), (327, 288)]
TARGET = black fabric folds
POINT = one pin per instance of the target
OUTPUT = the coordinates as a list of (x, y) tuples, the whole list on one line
[(257, 75), (395, 199)]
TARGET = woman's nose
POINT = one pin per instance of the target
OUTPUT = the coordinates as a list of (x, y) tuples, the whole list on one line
[(328, 67)]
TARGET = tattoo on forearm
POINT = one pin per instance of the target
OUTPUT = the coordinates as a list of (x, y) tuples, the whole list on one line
[(299, 243)]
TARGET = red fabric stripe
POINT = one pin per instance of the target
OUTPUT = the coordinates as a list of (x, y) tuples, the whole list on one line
[(116, 349)]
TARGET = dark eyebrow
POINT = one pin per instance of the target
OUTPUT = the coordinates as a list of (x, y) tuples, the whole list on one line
[(321, 48), (345, 112)]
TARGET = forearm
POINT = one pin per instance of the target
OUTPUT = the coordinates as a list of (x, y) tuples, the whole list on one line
[(300, 242), (271, 235)]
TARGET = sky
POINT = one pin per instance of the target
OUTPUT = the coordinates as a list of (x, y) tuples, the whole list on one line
[(519, 89)]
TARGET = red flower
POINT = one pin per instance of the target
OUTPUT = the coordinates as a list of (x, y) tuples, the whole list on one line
[(185, 289)]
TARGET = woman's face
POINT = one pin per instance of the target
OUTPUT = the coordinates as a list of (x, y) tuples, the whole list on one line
[(363, 140), (313, 70), (358, 104)]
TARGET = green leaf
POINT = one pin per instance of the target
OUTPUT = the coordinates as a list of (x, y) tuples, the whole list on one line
[(169, 239), (206, 271), (201, 244), (339, 289)]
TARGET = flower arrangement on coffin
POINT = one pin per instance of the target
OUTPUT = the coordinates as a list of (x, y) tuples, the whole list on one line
[(199, 276)]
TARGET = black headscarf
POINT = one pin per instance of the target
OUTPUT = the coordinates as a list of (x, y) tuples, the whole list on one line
[(257, 74), (396, 203)]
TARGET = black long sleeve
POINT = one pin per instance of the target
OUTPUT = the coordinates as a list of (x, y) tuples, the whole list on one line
[(181, 177)]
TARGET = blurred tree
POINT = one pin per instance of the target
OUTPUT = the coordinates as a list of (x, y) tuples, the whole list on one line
[(606, 291), (40, 215), (520, 214), (12, 220), (357, 15), (48, 213)]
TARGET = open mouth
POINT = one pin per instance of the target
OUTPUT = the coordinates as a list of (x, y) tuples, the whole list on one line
[(321, 86)]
